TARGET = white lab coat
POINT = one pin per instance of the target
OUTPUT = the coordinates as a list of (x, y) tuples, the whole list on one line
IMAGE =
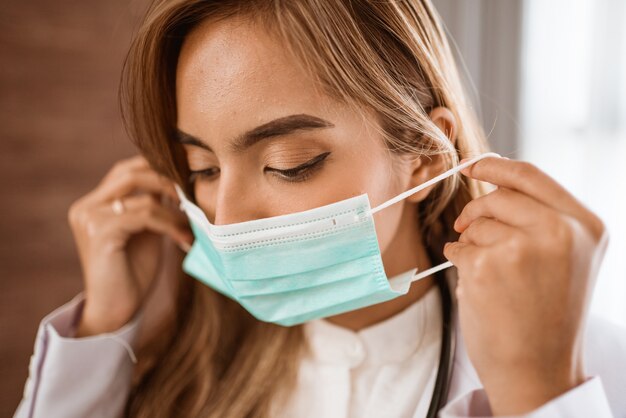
[(90, 377)]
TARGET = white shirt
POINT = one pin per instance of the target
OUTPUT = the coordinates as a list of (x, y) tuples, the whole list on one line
[(385, 370)]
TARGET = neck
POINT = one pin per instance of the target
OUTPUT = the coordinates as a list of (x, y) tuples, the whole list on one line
[(405, 251)]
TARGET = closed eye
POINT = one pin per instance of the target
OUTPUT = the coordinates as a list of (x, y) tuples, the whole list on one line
[(294, 174), (301, 172)]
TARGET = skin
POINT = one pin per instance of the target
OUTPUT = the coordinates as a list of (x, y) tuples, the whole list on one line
[(527, 257), (228, 63), (233, 77)]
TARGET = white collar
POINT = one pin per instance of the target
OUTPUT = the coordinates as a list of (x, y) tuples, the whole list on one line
[(391, 340)]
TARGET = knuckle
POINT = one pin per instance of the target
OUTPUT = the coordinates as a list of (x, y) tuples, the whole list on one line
[(150, 205), (118, 166), (470, 208), (73, 213), (77, 215), (516, 250), (480, 230), (597, 227), (478, 222), (153, 211), (480, 266), (450, 250), (130, 161), (127, 177), (470, 232), (562, 230), (153, 204), (524, 168), (104, 231), (502, 193), (147, 200), (92, 228)]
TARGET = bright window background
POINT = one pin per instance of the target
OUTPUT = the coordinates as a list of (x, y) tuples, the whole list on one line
[(573, 118)]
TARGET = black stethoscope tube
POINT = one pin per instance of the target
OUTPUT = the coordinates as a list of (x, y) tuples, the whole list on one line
[(446, 356)]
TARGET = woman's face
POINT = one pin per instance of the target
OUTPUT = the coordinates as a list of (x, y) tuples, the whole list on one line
[(269, 142)]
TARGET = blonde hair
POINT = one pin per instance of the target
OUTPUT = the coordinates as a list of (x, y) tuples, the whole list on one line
[(213, 359)]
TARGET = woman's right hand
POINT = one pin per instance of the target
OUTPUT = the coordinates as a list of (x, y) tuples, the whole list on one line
[(120, 253)]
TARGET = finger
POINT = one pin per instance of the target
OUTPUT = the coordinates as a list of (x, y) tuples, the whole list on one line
[(144, 212), (149, 202), (485, 232), (525, 178), (145, 180), (505, 205), (136, 162), (460, 254)]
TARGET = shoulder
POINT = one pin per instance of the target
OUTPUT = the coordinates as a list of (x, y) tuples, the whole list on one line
[(605, 356)]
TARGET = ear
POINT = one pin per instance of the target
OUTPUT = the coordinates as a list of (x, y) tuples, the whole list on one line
[(427, 167)]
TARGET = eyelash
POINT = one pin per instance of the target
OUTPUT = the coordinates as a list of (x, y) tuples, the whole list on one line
[(201, 174), (295, 174)]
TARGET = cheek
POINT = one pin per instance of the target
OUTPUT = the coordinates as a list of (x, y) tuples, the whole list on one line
[(387, 222), (382, 182)]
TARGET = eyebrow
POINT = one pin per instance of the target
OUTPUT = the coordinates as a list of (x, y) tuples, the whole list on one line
[(277, 127)]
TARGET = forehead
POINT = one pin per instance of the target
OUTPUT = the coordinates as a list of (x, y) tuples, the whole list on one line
[(233, 75)]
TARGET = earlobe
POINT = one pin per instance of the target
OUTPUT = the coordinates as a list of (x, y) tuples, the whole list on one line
[(428, 167)]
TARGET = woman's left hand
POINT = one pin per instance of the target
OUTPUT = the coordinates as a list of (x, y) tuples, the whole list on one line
[(527, 259)]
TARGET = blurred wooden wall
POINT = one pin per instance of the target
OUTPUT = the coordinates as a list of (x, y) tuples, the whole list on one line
[(60, 131)]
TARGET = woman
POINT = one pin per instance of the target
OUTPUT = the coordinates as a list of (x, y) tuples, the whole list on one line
[(258, 109)]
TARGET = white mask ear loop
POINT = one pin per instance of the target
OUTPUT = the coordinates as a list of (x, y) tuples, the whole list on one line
[(432, 181), (422, 186)]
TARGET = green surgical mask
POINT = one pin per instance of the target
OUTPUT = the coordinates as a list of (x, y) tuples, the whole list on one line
[(293, 268)]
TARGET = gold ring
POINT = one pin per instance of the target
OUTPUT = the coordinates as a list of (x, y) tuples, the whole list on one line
[(118, 206)]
